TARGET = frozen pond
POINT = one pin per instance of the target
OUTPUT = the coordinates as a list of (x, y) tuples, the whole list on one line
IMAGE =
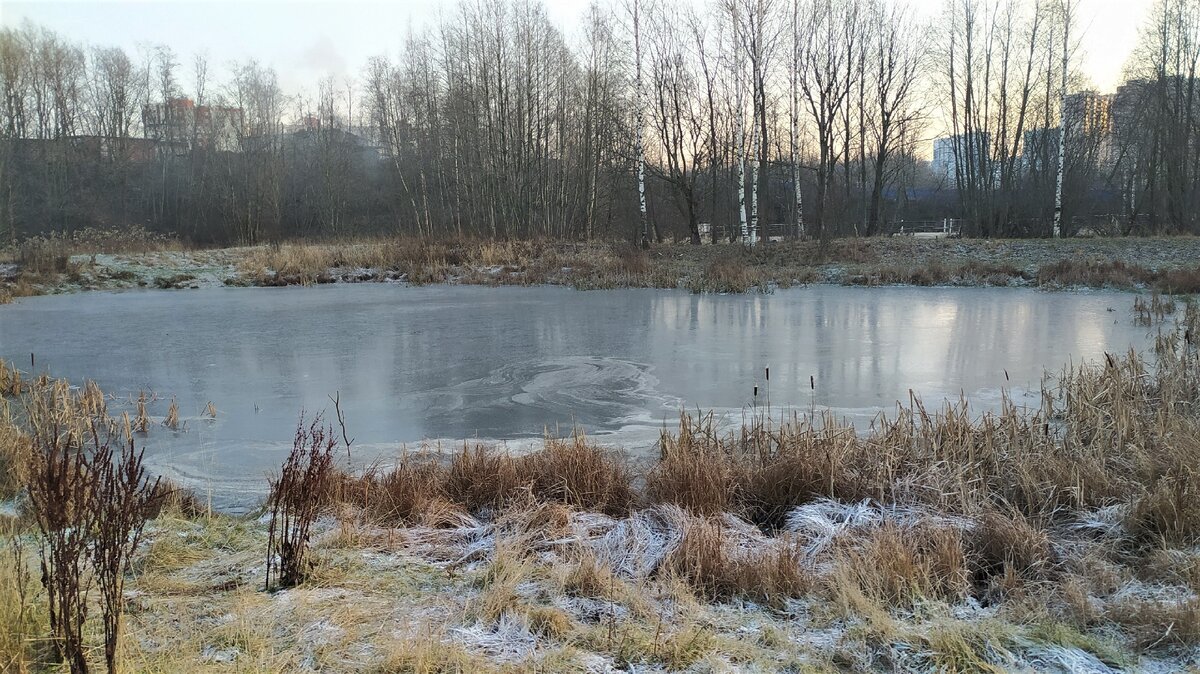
[(453, 362)]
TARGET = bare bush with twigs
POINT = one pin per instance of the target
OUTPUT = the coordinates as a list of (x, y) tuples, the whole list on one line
[(295, 501)]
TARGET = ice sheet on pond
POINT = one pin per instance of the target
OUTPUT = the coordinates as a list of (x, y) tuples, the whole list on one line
[(433, 366)]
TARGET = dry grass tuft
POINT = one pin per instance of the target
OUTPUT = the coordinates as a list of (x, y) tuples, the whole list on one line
[(696, 470), (482, 478), (500, 583), (901, 566), (580, 474), (1006, 541), (704, 561), (1170, 510), (1093, 274), (633, 260), (549, 621), (1172, 566), (429, 655), (732, 272), (1154, 624), (588, 577), (170, 499), (411, 492), (486, 481)]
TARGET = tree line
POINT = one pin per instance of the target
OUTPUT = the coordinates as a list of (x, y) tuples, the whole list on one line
[(649, 120)]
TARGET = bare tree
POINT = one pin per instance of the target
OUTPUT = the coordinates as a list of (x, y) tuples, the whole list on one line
[(826, 37), (897, 53), (676, 116)]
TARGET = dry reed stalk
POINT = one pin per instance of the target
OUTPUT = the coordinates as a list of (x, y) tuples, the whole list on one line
[(93, 401), (172, 420), (141, 423)]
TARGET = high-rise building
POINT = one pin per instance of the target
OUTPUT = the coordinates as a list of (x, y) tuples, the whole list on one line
[(180, 126), (947, 152), (1088, 113)]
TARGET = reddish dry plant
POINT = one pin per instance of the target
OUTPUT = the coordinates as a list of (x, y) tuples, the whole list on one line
[(123, 499), (90, 504), (62, 491), (297, 496)]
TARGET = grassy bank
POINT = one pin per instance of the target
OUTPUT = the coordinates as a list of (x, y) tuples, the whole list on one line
[(125, 261), (1060, 536)]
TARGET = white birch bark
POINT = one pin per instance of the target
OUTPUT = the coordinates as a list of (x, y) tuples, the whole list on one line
[(738, 114), (757, 140), (1062, 121), (638, 138), (798, 214)]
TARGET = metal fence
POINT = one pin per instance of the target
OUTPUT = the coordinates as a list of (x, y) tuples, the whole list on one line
[(945, 227)]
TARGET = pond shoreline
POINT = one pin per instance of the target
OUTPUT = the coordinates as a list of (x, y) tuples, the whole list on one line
[(1163, 264)]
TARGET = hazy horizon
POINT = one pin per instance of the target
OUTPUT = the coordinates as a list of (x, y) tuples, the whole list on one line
[(307, 41)]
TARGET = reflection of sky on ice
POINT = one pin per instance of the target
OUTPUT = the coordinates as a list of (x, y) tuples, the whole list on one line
[(415, 364)]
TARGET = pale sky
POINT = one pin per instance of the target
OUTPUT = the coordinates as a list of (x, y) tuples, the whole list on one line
[(304, 41)]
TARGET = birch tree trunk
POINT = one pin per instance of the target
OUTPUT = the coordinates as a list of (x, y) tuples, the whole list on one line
[(638, 133), (738, 114), (1062, 120), (756, 142), (798, 211)]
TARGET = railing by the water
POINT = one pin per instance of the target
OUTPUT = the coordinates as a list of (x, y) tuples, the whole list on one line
[(775, 231), (946, 227)]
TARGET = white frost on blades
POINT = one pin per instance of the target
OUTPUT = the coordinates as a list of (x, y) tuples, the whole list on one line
[(509, 639), (636, 545), (821, 521)]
